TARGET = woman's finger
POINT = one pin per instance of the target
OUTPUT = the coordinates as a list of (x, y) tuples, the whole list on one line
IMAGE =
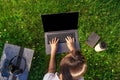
[(73, 39), (57, 40), (50, 42)]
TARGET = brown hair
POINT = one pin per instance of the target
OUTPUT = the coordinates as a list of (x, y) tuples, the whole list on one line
[(73, 62)]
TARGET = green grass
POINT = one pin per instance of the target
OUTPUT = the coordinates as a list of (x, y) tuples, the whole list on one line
[(20, 24)]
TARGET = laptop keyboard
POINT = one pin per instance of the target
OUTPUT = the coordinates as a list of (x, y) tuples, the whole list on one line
[(61, 37)]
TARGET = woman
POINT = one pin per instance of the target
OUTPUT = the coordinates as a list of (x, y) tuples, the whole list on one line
[(72, 66)]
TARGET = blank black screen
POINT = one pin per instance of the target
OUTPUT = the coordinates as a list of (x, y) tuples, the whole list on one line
[(61, 21)]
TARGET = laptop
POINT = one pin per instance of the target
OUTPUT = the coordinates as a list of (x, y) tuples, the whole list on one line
[(60, 25)]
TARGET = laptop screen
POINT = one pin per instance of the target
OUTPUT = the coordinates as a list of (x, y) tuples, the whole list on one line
[(61, 21)]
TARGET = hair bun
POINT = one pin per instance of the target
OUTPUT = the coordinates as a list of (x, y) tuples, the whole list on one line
[(78, 57)]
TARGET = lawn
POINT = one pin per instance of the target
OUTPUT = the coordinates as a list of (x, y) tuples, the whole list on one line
[(20, 24)]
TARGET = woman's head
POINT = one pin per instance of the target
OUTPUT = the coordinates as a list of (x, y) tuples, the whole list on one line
[(73, 66)]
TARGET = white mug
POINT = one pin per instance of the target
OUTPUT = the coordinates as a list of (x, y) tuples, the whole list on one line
[(100, 46)]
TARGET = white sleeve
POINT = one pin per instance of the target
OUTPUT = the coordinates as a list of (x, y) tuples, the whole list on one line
[(82, 78), (48, 76)]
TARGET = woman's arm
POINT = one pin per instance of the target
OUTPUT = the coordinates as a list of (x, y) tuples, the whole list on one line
[(52, 63)]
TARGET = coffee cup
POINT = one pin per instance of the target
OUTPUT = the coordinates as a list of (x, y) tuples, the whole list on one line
[(101, 46)]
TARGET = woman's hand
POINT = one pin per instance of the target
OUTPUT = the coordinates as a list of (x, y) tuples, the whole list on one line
[(70, 43), (53, 45)]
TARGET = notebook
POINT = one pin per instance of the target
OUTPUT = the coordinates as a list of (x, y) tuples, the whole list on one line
[(60, 25)]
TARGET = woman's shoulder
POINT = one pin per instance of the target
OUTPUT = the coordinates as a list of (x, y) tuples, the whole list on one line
[(51, 76), (82, 78)]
